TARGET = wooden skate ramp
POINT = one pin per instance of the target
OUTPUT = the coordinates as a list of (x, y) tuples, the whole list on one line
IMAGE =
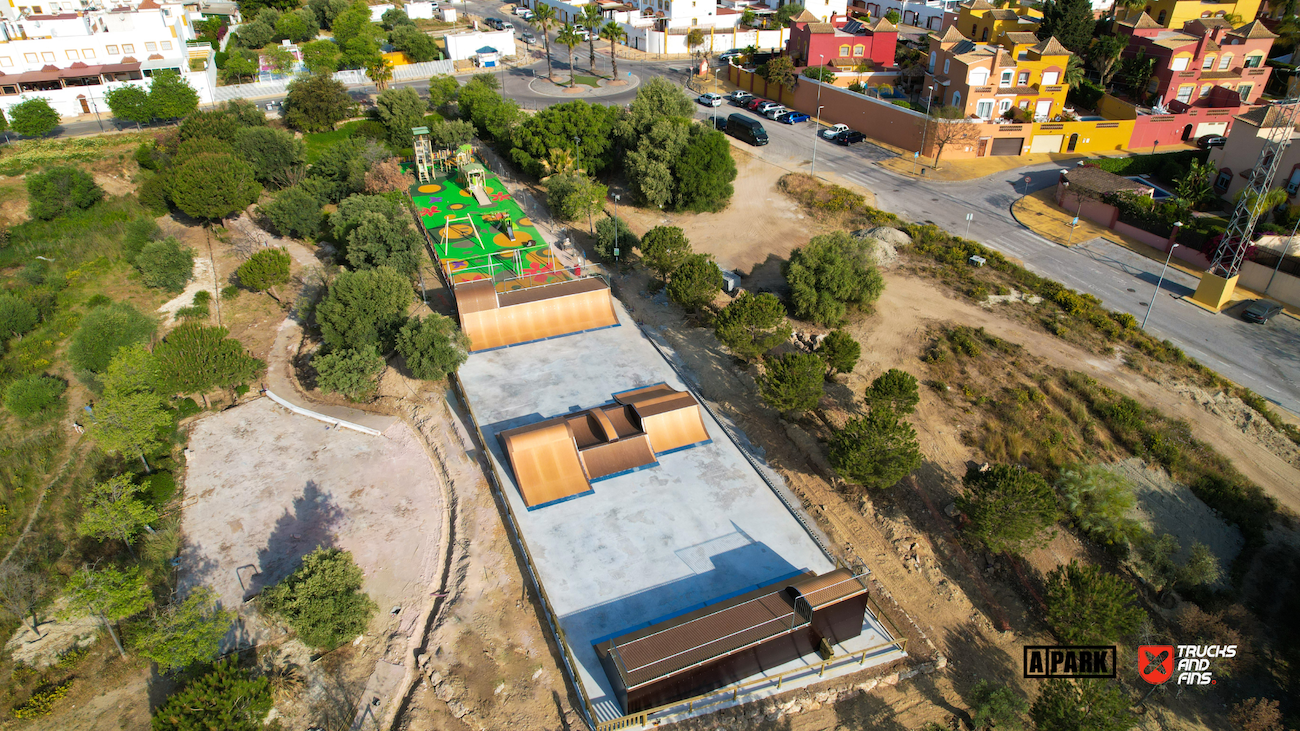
[(493, 320), (671, 418), (545, 463)]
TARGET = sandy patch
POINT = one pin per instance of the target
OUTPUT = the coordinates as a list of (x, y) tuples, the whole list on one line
[(58, 635), (202, 280)]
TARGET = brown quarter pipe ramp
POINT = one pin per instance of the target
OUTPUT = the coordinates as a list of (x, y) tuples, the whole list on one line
[(546, 465), (671, 418), (495, 320)]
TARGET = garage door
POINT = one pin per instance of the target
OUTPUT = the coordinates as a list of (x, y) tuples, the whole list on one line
[(1211, 128), (1008, 146), (1046, 143)]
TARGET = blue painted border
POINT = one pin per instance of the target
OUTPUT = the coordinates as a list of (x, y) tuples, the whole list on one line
[(553, 337), (612, 475), (574, 496), (685, 447), (616, 394)]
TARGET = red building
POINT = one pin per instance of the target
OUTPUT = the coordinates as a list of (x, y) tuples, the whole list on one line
[(1208, 53), (843, 43)]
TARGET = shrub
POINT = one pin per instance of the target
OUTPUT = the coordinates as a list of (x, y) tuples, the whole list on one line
[(1256, 714), (433, 347), (165, 265), (1087, 606), (352, 373), (186, 631), (1008, 506), (664, 248), (752, 324), (840, 351), (831, 273), (606, 241), (60, 190), (364, 309), (1082, 705), (792, 382), (894, 389), (265, 270), (34, 395), (103, 331), (875, 451), (695, 282), (139, 233), (1100, 501), (322, 601), (229, 292), (295, 213), (17, 316), (996, 707), (41, 703), (227, 697)]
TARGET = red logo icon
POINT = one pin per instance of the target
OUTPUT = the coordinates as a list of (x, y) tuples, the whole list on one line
[(1155, 663)]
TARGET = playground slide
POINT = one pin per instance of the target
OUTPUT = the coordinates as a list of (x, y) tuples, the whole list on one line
[(480, 195), (545, 462)]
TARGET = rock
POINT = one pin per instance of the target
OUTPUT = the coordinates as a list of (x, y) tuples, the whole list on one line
[(435, 678), (422, 659), (940, 662), (457, 709), (951, 510), (868, 686), (812, 706), (891, 679), (825, 696)]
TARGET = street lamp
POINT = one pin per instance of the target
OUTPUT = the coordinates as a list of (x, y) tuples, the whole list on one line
[(816, 134), (616, 228), (1285, 250), (1172, 246), (925, 130)]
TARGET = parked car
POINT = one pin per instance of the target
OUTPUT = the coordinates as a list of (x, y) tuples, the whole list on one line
[(830, 132), (525, 13), (793, 118), (1260, 311), (848, 138), (776, 111), (710, 99), (1205, 142), (753, 104), (748, 129), (720, 124), (733, 53), (520, 10), (740, 97), (582, 32), (528, 37), (496, 23), (765, 105)]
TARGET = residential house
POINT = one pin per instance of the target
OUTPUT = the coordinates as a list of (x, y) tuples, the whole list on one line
[(986, 80), (981, 21), (1207, 53), (1175, 13), (844, 43), (1236, 159), (932, 15)]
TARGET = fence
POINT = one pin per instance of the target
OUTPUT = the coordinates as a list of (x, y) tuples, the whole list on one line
[(350, 77)]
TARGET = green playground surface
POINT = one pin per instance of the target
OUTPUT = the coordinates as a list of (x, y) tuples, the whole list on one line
[(442, 205)]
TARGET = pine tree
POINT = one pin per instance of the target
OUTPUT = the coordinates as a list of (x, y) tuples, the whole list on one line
[(1070, 21)]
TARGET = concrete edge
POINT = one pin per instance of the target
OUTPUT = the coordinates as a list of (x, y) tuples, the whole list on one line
[(321, 417)]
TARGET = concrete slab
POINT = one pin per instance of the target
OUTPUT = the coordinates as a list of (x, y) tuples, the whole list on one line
[(701, 526)]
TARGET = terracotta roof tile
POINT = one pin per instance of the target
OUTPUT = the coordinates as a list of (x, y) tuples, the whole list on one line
[(1050, 47), (1251, 30)]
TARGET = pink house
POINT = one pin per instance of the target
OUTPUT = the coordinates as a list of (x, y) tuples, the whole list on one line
[(1207, 54), (843, 43)]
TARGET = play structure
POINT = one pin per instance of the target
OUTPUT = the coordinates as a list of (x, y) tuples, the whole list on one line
[(510, 286), (558, 459)]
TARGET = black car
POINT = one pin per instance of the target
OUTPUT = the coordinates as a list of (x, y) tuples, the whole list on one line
[(1205, 142), (496, 23), (851, 137), (1260, 311)]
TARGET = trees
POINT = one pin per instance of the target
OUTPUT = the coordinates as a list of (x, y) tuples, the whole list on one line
[(573, 196), (840, 351), (614, 33), (832, 272), (591, 19), (33, 117), (1073, 74), (60, 191), (752, 324), (779, 70), (170, 96), (274, 154), (792, 382), (131, 416), (316, 103), (656, 100), (321, 57), (694, 39), (1136, 72), (432, 347), (1070, 21), (1008, 506), (103, 331), (996, 707), (279, 59), (227, 697), (894, 389), (400, 110), (494, 118), (1256, 714), (34, 395), (380, 241), (351, 372), (825, 74), (649, 166), (614, 239), (1201, 566), (695, 282), (17, 316), (536, 140), (1087, 606), (787, 13), (113, 509), (1082, 705), (664, 248), (340, 170), (1197, 185), (394, 17), (213, 186), (415, 43), (357, 36), (297, 27), (443, 90), (386, 177), (138, 234), (196, 358), (568, 37), (294, 212), (875, 451), (1100, 500), (109, 595), (322, 601), (353, 208), (364, 308), (241, 66), (265, 270), (544, 18), (165, 265), (703, 171), (21, 591), (129, 102), (949, 126), (186, 632)]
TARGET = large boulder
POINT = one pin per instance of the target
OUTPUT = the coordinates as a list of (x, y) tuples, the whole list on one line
[(886, 240)]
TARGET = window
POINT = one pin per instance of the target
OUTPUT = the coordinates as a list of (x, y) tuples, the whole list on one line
[(946, 63), (47, 56), (167, 45), (87, 53), (1224, 180), (6, 61), (974, 30), (1185, 93), (933, 57), (1003, 106), (859, 50), (1179, 63), (128, 48), (1023, 79), (984, 108), (1050, 77), (1244, 90), (1293, 182), (956, 99), (979, 77), (1253, 62), (1225, 61), (1006, 77), (984, 36), (1208, 63), (150, 46), (30, 58), (72, 55), (1161, 18), (1205, 90), (111, 49), (844, 51)]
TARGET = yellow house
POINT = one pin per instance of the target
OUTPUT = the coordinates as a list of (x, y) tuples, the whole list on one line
[(1174, 13), (986, 81), (980, 21)]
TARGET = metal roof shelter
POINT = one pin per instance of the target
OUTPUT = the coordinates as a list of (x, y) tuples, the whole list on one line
[(725, 642)]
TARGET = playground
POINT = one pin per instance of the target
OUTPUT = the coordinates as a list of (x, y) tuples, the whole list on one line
[(478, 230)]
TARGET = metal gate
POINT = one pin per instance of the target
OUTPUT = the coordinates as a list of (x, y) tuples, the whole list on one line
[(1008, 146)]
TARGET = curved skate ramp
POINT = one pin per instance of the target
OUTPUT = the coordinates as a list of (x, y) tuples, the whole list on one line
[(494, 319)]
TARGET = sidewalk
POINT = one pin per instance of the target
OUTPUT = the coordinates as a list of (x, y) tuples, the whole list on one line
[(954, 171)]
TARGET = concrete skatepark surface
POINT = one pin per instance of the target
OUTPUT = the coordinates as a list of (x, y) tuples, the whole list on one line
[(697, 528)]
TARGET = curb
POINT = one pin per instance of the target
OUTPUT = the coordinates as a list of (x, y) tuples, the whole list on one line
[(321, 417)]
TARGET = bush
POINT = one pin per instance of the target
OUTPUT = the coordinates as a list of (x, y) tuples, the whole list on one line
[(664, 248), (996, 707), (840, 351), (364, 309), (1082, 705), (103, 331), (696, 282), (1087, 606), (227, 697), (875, 451), (1100, 501), (831, 273), (57, 191), (792, 382), (433, 347), (606, 241), (322, 601), (1008, 506), (17, 316), (352, 373), (295, 213), (34, 395), (752, 324), (895, 390), (265, 270), (186, 632), (574, 196), (165, 265), (139, 234), (1256, 714), (41, 703)]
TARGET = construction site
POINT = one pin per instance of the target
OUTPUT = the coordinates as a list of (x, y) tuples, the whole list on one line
[(677, 572)]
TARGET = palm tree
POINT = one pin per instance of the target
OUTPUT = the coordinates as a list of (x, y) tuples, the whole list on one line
[(1265, 203), (380, 73), (614, 33), (544, 18), (1128, 6), (568, 37), (1073, 71), (591, 20)]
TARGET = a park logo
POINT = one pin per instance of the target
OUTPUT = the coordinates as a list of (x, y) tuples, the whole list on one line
[(1059, 661), (1156, 663)]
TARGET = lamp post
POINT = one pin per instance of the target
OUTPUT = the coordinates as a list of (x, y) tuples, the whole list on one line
[(816, 134), (1172, 246), (616, 228), (1075, 223), (577, 155), (1285, 250), (925, 130)]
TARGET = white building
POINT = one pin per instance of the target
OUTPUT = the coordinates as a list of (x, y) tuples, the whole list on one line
[(471, 44), (72, 59), (929, 14)]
